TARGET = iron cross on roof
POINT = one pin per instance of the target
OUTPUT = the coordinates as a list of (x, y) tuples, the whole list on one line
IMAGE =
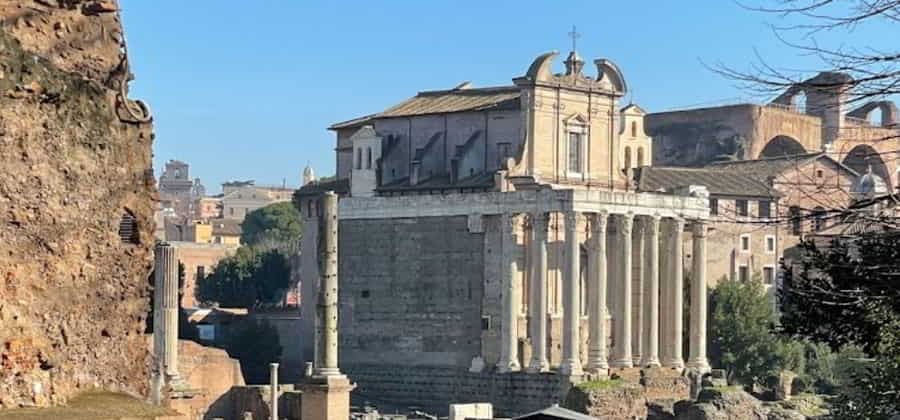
[(574, 35)]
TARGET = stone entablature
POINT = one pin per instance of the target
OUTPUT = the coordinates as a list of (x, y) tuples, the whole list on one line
[(490, 203)]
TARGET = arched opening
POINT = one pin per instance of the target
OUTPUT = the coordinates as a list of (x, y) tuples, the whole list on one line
[(640, 156), (634, 129), (782, 146), (875, 117), (627, 157), (799, 102), (368, 158), (359, 158), (861, 157)]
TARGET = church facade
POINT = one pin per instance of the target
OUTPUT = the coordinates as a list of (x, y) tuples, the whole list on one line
[(493, 233)]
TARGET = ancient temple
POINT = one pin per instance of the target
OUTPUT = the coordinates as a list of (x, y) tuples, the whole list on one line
[(492, 234)]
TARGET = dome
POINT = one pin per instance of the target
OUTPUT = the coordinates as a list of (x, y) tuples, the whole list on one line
[(308, 175), (870, 183)]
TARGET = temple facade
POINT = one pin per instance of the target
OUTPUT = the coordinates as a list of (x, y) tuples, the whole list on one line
[(495, 231)]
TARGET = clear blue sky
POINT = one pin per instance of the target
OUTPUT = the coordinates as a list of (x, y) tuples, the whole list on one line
[(245, 90)]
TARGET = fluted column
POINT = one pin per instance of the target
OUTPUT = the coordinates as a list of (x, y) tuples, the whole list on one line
[(165, 313), (538, 306), (597, 352), (650, 356), (622, 356), (509, 350), (571, 363), (327, 314), (675, 295), (697, 355)]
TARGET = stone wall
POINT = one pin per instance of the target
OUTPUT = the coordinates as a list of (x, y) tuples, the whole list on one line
[(401, 306), (73, 293), (434, 388)]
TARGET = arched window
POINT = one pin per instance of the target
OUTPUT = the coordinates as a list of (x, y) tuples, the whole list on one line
[(634, 129), (640, 157), (368, 158), (627, 157), (359, 158)]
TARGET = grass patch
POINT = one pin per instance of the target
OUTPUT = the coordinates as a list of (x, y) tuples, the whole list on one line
[(599, 385), (91, 405)]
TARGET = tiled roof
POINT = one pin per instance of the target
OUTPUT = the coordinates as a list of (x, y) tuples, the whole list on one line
[(446, 101), (479, 180), (656, 178), (770, 167)]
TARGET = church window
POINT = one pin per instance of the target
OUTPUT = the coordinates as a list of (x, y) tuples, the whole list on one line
[(741, 207), (368, 158), (634, 129), (575, 152), (359, 158), (627, 157), (765, 208), (714, 206), (640, 156)]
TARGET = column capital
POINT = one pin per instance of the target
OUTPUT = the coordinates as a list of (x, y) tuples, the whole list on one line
[(539, 220), (700, 228), (625, 222)]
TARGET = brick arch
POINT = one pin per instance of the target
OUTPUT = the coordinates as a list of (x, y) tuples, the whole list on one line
[(860, 157), (782, 145)]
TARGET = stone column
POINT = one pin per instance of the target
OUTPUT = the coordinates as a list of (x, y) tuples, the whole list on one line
[(697, 355), (637, 302), (597, 268), (327, 319), (622, 356), (165, 311), (273, 384), (538, 307), (509, 350), (675, 295), (571, 354), (650, 356), (665, 283)]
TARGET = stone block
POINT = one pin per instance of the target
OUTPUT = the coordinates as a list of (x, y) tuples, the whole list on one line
[(471, 411)]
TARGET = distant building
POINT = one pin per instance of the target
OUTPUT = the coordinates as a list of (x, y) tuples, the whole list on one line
[(208, 208), (199, 260), (242, 197), (177, 190), (226, 231)]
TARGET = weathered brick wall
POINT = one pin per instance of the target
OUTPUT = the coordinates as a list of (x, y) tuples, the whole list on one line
[(73, 295), (400, 305)]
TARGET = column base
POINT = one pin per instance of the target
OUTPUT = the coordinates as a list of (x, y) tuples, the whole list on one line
[(327, 372), (508, 366), (650, 362), (622, 363), (571, 367), (674, 363), (597, 365), (326, 398), (538, 366), (702, 365)]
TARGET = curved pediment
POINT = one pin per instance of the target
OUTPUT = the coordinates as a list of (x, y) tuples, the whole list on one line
[(608, 71), (540, 68)]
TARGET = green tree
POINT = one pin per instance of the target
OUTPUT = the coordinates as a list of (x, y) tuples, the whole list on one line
[(742, 342), (252, 277), (272, 226), (255, 344)]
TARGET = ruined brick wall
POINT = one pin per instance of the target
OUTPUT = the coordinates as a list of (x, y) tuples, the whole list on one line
[(73, 294)]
